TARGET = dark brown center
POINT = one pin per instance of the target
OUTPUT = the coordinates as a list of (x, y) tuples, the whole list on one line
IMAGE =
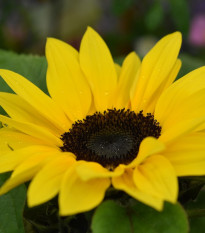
[(110, 138)]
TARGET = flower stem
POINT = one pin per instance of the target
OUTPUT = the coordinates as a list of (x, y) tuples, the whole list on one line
[(196, 213)]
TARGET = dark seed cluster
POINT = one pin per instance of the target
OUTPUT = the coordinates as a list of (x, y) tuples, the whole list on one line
[(110, 138)]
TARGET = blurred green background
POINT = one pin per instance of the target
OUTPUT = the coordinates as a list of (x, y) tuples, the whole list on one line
[(125, 25)]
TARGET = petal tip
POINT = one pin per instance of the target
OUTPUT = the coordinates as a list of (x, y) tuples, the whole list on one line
[(177, 36), (90, 31), (50, 41)]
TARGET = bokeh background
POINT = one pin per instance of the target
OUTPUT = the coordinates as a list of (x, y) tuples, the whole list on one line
[(125, 25)]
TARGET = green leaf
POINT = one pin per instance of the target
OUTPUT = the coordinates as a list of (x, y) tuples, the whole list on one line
[(12, 204), (31, 67), (111, 217), (180, 15), (154, 16)]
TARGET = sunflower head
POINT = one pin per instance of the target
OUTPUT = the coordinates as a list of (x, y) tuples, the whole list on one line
[(103, 125)]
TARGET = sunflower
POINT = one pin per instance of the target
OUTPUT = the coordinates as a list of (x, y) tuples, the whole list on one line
[(104, 125)]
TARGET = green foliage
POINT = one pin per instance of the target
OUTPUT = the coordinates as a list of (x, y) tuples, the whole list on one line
[(30, 66), (196, 212), (12, 204), (180, 15), (120, 6), (111, 217), (189, 64), (154, 17)]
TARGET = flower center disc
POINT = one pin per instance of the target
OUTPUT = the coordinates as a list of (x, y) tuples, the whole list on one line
[(110, 138)]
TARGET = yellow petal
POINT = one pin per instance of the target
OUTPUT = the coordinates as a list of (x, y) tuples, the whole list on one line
[(156, 176), (27, 169), (148, 146), (187, 155), (36, 98), (65, 80), (177, 94), (12, 159), (99, 68), (33, 130), (48, 180), (180, 129), (16, 181), (20, 110), (12, 140), (126, 183), (150, 107), (155, 70), (128, 72), (36, 161), (118, 69), (78, 196), (92, 170), (190, 169), (192, 107), (172, 75)]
